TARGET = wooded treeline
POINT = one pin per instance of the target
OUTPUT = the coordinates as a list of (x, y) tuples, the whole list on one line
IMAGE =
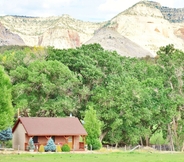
[(134, 98)]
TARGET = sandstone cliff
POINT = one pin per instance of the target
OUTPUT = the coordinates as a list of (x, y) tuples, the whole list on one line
[(175, 15), (60, 32), (146, 25)]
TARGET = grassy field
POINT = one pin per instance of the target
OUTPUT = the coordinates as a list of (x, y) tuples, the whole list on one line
[(94, 157)]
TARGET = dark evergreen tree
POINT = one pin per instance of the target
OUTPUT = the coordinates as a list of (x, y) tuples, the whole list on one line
[(31, 145)]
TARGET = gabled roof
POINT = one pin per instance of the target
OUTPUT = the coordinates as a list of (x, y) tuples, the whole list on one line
[(48, 126)]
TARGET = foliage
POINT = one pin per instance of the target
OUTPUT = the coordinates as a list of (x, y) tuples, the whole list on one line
[(7, 144), (50, 145), (6, 109), (65, 148), (16, 56), (31, 145), (45, 89), (133, 98), (41, 148), (157, 139), (6, 135), (171, 61), (92, 126)]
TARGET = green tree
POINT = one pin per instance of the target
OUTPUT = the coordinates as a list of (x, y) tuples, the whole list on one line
[(21, 56), (46, 88), (92, 126), (6, 108), (171, 62), (6, 135), (158, 139)]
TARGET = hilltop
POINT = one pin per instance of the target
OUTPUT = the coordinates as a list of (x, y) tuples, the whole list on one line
[(146, 25)]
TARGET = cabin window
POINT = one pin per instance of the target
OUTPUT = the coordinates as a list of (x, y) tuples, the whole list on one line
[(70, 139), (53, 137), (35, 139)]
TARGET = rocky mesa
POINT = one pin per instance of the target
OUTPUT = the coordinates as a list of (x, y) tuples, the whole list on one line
[(136, 32)]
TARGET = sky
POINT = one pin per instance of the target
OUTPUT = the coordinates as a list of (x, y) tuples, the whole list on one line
[(86, 10)]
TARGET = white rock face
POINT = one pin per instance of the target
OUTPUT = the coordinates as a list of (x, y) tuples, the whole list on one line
[(142, 23), (60, 32), (146, 26)]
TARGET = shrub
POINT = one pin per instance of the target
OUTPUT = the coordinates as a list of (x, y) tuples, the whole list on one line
[(41, 149), (8, 144), (50, 145), (157, 139), (58, 148), (65, 148), (96, 144), (31, 145), (5, 136)]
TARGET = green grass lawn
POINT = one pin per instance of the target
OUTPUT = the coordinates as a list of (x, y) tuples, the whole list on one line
[(94, 157)]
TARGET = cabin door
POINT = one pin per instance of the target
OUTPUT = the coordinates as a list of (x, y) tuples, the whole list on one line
[(70, 142)]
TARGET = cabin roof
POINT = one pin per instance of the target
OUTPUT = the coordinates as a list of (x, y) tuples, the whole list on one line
[(51, 126)]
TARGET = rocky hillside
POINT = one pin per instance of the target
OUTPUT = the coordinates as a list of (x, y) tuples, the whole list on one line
[(111, 40), (9, 38), (175, 15), (60, 32), (144, 27)]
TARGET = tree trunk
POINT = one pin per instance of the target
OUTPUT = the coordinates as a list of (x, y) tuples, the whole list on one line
[(116, 145), (171, 139), (147, 140), (182, 148), (141, 141), (103, 135)]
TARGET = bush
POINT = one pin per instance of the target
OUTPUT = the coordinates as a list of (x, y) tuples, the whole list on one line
[(31, 145), (65, 148), (41, 149), (5, 136), (157, 139), (8, 144), (96, 144), (50, 145), (58, 148)]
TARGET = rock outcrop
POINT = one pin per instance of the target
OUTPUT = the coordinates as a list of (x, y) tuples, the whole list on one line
[(9, 38), (146, 26), (111, 40), (59, 31)]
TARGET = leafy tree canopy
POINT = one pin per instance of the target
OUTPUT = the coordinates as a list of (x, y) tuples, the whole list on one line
[(6, 109)]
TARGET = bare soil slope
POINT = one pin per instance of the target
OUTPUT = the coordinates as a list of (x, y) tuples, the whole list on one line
[(9, 38), (111, 40)]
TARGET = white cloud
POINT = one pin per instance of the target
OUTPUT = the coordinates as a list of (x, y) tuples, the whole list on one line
[(168, 3), (27, 7), (116, 5), (121, 5), (95, 10)]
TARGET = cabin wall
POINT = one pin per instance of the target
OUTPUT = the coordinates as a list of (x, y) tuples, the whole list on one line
[(19, 137), (42, 140), (60, 140)]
